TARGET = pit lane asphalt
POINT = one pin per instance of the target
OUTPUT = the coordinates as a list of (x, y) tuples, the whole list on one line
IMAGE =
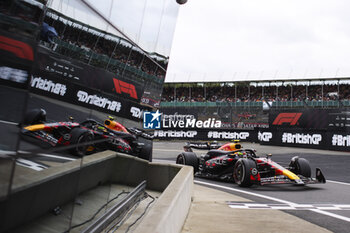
[(334, 165)]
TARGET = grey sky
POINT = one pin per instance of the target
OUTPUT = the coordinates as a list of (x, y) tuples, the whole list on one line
[(226, 40)]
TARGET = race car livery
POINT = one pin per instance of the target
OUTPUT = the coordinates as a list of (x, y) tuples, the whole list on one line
[(233, 163), (87, 137)]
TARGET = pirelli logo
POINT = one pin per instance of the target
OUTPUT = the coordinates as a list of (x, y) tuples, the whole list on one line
[(290, 118), (124, 87)]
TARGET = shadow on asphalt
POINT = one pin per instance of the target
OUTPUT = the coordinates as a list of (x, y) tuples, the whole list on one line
[(284, 187)]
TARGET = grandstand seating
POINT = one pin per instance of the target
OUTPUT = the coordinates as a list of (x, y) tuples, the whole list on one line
[(96, 50), (192, 95), (250, 104)]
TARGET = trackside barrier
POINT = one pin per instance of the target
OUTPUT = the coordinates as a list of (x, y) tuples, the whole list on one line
[(171, 209), (56, 186), (298, 137)]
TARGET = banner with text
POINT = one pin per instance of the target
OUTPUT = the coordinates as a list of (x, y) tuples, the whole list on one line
[(59, 89), (314, 119), (316, 139), (50, 63), (206, 134)]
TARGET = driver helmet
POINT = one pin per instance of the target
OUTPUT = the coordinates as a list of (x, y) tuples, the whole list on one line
[(102, 128), (241, 154)]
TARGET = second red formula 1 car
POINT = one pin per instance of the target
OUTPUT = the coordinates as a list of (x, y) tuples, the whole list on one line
[(86, 137), (233, 163)]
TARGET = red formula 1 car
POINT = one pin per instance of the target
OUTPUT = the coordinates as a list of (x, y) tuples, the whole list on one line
[(233, 163), (86, 137)]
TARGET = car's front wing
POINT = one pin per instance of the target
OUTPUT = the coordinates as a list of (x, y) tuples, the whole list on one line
[(281, 179)]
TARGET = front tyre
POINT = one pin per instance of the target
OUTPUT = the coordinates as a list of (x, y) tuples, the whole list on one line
[(188, 158), (301, 166), (81, 139), (241, 172)]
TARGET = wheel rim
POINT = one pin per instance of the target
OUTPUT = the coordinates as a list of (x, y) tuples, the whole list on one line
[(239, 173), (81, 150)]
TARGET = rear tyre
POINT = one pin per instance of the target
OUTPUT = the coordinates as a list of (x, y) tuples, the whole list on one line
[(302, 167), (188, 158), (78, 137), (34, 116), (146, 152), (241, 172)]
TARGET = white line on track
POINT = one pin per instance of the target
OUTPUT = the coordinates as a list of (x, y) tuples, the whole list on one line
[(49, 156), (8, 122), (179, 150), (273, 199), (39, 154), (30, 164), (283, 206), (337, 182)]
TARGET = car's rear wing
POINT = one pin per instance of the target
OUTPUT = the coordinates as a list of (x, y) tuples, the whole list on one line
[(202, 145), (140, 133)]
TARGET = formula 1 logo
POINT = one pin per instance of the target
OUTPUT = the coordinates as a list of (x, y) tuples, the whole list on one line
[(18, 48), (124, 87), (290, 117)]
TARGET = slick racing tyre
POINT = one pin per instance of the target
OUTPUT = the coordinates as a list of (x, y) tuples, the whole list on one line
[(34, 116), (241, 172), (78, 137), (188, 158), (146, 152), (301, 166)]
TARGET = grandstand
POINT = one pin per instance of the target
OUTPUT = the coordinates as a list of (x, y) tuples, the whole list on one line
[(21, 17), (92, 46), (246, 105), (322, 93), (80, 41)]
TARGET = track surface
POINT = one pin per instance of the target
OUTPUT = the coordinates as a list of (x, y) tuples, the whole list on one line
[(335, 166)]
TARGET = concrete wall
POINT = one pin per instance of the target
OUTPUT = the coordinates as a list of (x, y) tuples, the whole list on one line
[(132, 170), (36, 194), (170, 211)]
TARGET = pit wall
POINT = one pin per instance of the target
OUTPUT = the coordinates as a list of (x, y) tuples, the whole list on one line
[(36, 194)]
